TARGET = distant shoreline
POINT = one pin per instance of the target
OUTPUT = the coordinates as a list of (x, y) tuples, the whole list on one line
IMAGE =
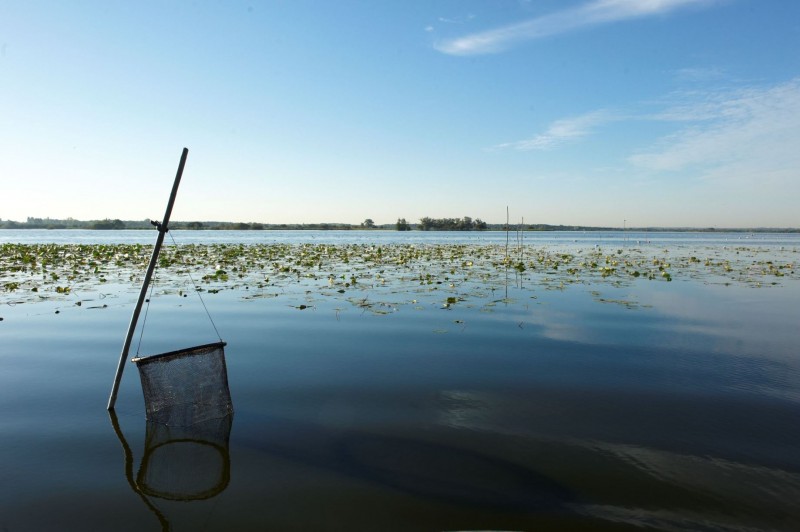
[(122, 225)]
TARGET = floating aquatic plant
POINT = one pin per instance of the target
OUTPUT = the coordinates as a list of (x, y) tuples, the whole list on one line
[(369, 276)]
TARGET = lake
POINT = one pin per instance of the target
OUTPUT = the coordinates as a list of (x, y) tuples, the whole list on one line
[(409, 381)]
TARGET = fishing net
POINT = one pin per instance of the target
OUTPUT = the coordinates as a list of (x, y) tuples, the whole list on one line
[(186, 463), (186, 387)]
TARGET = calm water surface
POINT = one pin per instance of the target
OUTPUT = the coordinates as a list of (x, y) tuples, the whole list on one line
[(565, 238), (524, 406)]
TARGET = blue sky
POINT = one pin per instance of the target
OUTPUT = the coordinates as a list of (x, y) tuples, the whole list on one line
[(591, 112)]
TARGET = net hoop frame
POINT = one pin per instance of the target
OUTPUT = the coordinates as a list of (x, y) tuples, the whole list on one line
[(180, 353)]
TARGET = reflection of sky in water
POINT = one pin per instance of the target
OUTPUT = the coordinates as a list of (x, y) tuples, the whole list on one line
[(737, 337), (666, 485), (741, 320), (751, 489)]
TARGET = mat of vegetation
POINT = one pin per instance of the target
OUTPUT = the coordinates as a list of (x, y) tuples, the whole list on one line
[(375, 277)]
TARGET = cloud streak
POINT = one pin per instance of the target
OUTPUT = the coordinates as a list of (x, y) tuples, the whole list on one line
[(562, 131), (748, 135), (590, 14)]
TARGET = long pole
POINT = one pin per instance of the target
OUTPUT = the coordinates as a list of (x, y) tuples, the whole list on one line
[(162, 230)]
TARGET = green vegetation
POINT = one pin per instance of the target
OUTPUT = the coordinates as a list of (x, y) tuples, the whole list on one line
[(378, 278), (108, 224), (452, 224)]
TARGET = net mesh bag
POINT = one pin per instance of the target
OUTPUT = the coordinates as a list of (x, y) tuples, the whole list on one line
[(186, 463), (186, 387)]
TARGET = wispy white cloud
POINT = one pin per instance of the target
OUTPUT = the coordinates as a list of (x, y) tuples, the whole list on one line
[(686, 106), (700, 74), (589, 14), (562, 131), (749, 135), (462, 20), (745, 136)]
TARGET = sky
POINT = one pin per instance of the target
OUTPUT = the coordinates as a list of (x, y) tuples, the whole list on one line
[(644, 113)]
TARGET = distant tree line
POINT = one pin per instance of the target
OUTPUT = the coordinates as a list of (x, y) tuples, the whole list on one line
[(452, 224), (425, 224), (71, 223)]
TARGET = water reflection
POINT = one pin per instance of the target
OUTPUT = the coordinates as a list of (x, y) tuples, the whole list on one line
[(179, 463), (694, 492), (449, 474), (639, 483), (420, 477)]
